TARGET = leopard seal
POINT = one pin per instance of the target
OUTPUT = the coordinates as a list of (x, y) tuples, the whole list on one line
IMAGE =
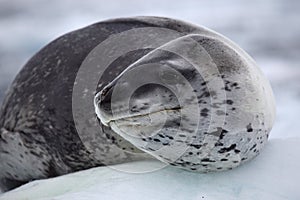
[(221, 118)]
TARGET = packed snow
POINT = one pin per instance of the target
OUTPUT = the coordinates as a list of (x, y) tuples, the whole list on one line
[(274, 175)]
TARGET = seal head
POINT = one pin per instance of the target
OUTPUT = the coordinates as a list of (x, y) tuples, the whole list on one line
[(196, 102)]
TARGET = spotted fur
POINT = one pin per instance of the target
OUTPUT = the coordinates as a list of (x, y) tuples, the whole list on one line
[(38, 137)]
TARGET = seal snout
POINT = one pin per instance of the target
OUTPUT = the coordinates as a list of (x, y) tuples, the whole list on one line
[(102, 103)]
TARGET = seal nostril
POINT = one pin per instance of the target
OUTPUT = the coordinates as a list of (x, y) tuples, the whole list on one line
[(106, 90), (104, 102), (103, 105), (103, 93)]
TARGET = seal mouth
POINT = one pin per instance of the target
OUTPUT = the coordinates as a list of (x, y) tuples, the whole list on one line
[(135, 114), (131, 118)]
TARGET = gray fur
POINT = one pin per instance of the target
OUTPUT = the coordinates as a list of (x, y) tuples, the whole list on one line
[(38, 138)]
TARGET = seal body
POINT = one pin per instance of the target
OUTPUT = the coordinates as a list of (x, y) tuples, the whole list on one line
[(39, 136)]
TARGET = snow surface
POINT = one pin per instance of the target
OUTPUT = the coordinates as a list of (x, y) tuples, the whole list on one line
[(274, 175)]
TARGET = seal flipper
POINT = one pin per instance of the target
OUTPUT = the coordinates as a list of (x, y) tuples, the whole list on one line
[(24, 159), (7, 181), (9, 184)]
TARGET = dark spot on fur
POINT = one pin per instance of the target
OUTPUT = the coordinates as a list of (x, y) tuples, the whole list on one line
[(252, 147), (34, 153), (227, 149), (223, 134), (207, 160), (204, 112), (249, 128), (227, 88), (234, 84), (170, 137), (218, 144), (204, 94), (237, 151), (229, 102), (197, 146), (150, 149)]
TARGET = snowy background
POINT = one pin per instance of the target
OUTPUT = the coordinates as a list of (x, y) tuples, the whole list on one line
[(268, 30)]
